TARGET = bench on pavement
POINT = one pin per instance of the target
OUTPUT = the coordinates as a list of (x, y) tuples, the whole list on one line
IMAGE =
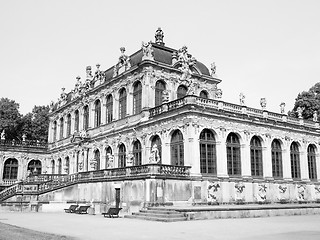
[(82, 210), (112, 212), (71, 209)]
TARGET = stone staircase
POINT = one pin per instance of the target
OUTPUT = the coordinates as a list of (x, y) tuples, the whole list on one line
[(161, 214)]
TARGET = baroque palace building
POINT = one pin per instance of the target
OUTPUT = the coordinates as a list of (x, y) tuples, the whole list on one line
[(153, 129)]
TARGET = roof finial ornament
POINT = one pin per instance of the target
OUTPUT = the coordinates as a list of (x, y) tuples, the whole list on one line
[(159, 37)]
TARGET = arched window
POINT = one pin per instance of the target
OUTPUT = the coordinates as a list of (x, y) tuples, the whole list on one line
[(86, 117), (76, 121), (10, 170), (59, 166), (256, 157), (156, 145), (67, 166), (137, 97), (109, 157), (137, 156), (68, 125), (61, 128), (208, 159), (276, 155), (233, 155), (34, 166), (97, 113), (55, 131), (122, 156), (160, 87), (182, 91), (203, 94), (122, 103), (109, 107), (97, 159), (53, 167), (312, 167), (177, 154), (295, 161)]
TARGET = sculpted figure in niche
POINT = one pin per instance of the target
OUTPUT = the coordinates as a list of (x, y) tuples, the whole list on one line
[(315, 116), (3, 135), (154, 156), (147, 51)]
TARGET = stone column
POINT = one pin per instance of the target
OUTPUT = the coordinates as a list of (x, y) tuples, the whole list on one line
[(317, 164), (221, 151), (50, 132), (80, 119), (304, 171), (91, 115), (73, 122), (129, 101), (191, 150), (267, 161), (104, 111), (245, 160), (116, 106)]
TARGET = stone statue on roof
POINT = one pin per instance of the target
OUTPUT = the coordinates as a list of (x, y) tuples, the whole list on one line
[(99, 75), (263, 103), (241, 98), (213, 69), (159, 37), (282, 107)]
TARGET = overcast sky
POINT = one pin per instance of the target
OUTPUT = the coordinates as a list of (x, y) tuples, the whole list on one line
[(265, 49)]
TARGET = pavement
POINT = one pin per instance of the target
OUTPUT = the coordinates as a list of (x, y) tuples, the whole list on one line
[(96, 227)]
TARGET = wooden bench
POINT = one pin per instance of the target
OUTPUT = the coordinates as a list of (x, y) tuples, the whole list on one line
[(82, 210), (112, 212), (71, 209)]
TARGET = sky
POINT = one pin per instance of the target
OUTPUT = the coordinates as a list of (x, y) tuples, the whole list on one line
[(264, 49)]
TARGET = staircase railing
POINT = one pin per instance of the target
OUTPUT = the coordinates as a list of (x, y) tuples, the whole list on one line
[(45, 183)]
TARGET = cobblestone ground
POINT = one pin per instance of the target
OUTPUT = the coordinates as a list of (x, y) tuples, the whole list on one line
[(90, 227)]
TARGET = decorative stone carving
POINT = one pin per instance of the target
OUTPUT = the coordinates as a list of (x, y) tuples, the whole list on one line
[(282, 192), (301, 192), (315, 116), (218, 93), (239, 186), (317, 191), (262, 192), (263, 103), (147, 51), (89, 72), (165, 96), (3, 135), (282, 108), (154, 156), (213, 188), (241, 98), (186, 62), (99, 75), (213, 69), (123, 63), (110, 160), (159, 35), (299, 111)]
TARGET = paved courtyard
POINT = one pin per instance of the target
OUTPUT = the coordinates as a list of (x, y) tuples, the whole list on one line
[(95, 227)]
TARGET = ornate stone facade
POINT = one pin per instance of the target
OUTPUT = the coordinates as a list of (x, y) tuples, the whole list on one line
[(161, 106)]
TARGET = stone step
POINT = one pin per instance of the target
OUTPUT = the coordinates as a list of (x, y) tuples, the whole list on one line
[(161, 215), (155, 218), (156, 211), (162, 209)]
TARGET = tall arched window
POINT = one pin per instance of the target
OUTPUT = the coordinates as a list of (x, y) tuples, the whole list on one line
[(276, 155), (68, 125), (156, 145), (122, 156), (122, 103), (233, 155), (295, 161), (55, 131), (182, 91), (137, 156), (59, 166), (86, 117), (109, 107), (312, 166), (76, 121), (256, 157), (34, 166), (203, 94), (97, 113), (61, 128), (53, 167), (177, 149), (109, 157), (10, 170), (67, 166), (137, 97), (97, 159), (160, 87), (208, 159)]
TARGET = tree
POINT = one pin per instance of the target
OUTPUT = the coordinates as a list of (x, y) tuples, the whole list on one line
[(309, 101), (10, 118), (36, 123)]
